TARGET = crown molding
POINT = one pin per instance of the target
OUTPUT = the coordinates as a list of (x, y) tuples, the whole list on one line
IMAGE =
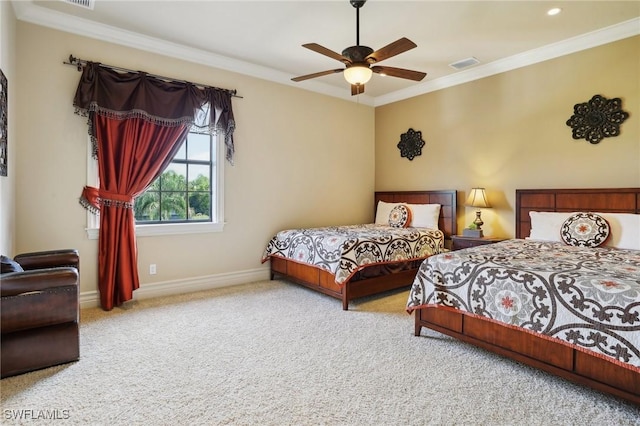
[(29, 12), (575, 44)]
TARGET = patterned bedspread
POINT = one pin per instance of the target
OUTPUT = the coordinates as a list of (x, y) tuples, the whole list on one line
[(343, 250), (588, 297)]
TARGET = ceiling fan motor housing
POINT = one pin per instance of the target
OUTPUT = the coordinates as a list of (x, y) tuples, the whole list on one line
[(357, 53)]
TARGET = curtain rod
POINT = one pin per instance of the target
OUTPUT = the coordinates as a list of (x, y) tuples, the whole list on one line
[(80, 63)]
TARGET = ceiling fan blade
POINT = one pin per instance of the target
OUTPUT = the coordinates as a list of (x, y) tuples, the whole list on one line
[(326, 52), (393, 49), (316, 74), (399, 72), (357, 89)]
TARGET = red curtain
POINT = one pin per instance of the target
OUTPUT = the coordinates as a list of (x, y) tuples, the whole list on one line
[(137, 123), (131, 154)]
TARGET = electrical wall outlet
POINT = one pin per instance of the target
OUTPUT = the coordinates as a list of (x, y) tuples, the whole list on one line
[(152, 269)]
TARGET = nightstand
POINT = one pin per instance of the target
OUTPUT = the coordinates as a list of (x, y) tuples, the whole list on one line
[(461, 242)]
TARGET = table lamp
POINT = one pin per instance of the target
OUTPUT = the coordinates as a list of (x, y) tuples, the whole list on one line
[(477, 198)]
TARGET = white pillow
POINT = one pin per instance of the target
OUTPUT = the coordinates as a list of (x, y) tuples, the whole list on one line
[(546, 226), (382, 212), (424, 215), (625, 228)]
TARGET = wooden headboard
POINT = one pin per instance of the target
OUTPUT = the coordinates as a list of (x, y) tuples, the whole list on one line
[(605, 200), (446, 199)]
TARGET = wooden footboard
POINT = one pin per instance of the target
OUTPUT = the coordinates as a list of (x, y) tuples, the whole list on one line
[(545, 354), (323, 281)]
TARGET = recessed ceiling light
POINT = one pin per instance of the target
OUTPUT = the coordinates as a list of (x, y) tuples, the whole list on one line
[(554, 11)]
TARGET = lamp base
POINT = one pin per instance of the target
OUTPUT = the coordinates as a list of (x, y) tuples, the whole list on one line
[(475, 233)]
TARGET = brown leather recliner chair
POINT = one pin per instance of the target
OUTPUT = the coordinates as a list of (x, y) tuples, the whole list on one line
[(39, 312)]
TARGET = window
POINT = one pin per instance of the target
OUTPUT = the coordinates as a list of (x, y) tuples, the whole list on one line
[(183, 192), (186, 198)]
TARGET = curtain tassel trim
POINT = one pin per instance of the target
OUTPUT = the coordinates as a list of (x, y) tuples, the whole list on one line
[(88, 206), (93, 198)]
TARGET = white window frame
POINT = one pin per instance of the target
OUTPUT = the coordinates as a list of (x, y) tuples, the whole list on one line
[(93, 220)]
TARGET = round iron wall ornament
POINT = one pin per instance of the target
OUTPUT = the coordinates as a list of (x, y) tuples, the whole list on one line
[(597, 119), (411, 144)]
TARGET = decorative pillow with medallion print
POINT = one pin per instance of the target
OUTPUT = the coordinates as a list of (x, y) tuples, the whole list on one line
[(400, 216), (585, 230)]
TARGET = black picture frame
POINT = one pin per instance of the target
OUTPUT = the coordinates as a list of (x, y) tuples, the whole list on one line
[(4, 112)]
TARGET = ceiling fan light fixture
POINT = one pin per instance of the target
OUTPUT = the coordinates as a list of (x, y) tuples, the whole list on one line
[(358, 74)]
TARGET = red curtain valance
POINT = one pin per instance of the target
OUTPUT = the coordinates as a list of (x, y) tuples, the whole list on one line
[(105, 91)]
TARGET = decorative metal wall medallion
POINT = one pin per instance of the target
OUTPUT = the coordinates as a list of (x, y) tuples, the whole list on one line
[(411, 144), (597, 119)]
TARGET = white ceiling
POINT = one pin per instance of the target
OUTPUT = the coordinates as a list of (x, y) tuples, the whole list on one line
[(264, 38)]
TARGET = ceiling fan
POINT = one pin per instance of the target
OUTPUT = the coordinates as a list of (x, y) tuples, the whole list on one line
[(359, 59)]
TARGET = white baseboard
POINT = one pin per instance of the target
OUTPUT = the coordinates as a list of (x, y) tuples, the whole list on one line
[(91, 299)]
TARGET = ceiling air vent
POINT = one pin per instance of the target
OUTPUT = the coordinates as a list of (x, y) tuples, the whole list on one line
[(465, 63), (87, 4)]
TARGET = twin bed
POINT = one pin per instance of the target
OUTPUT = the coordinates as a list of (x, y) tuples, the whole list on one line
[(560, 306), (350, 262)]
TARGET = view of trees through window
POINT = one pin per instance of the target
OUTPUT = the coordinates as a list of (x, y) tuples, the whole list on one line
[(183, 193)]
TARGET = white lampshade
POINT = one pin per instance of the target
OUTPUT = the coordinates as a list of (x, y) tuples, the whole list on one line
[(358, 74), (477, 198)]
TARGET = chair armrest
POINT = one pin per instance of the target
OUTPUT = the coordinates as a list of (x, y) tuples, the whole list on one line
[(48, 259), (16, 283)]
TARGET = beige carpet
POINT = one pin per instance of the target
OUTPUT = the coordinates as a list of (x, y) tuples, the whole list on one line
[(272, 353)]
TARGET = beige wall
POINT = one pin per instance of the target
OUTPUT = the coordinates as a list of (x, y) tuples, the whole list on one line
[(305, 159), (302, 159), (508, 131), (7, 183)]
